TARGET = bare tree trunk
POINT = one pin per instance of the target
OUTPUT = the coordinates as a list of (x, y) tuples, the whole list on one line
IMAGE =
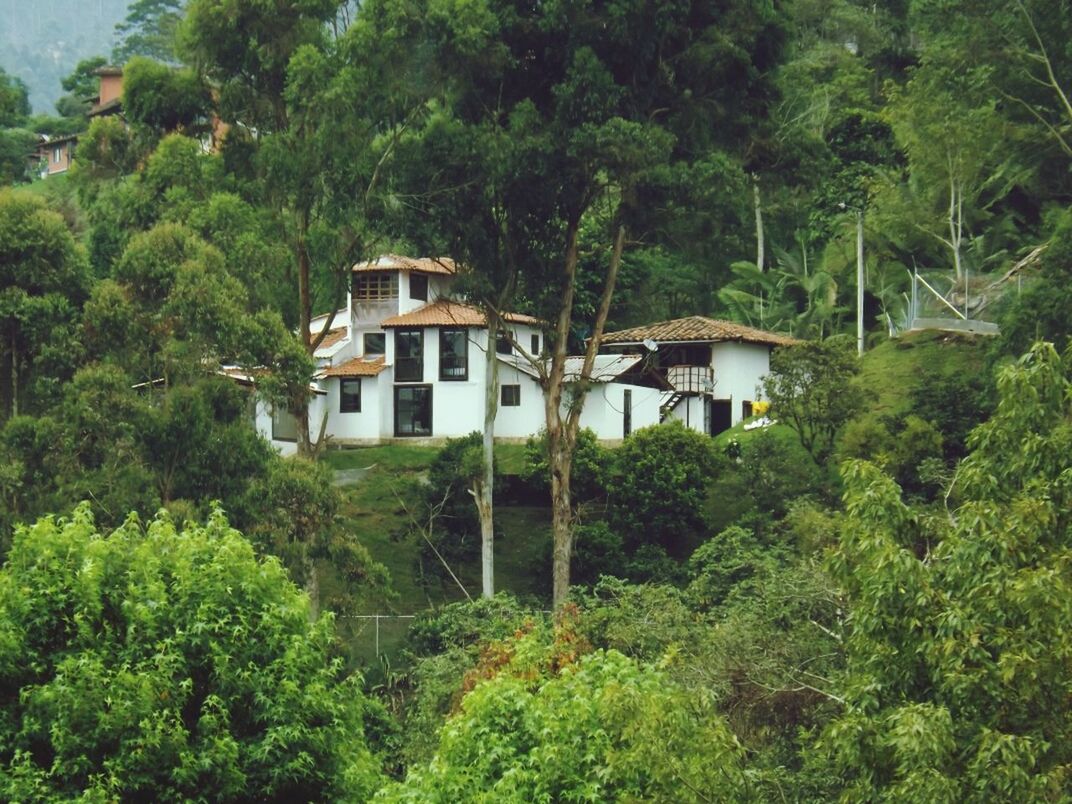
[(14, 377), (860, 282), (562, 433), (758, 205), (485, 487), (956, 223), (561, 463), (305, 305)]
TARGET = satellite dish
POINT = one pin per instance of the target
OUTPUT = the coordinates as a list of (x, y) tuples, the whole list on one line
[(650, 345)]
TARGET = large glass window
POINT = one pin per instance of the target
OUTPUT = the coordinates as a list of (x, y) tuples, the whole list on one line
[(413, 410), (350, 395), (418, 287), (375, 286), (453, 354), (409, 355)]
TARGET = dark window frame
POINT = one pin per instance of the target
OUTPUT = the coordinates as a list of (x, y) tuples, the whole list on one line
[(464, 356), (627, 412), (421, 282), (503, 344), (746, 408), (365, 347), (399, 389), (534, 342), (343, 408), (511, 400), (409, 368)]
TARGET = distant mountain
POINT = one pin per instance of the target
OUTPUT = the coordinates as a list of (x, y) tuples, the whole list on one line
[(41, 41)]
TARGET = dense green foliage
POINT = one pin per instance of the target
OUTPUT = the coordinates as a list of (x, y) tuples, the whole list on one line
[(552, 726), (956, 671), (866, 600), (154, 663)]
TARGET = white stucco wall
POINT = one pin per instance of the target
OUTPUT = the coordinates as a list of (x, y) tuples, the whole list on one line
[(738, 369), (526, 419), (604, 409), (358, 427), (690, 411)]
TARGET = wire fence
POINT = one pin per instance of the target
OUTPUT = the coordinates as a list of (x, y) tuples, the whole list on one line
[(368, 627), (969, 303), (372, 636)]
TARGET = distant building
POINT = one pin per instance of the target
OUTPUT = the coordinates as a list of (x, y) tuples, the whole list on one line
[(53, 155), (109, 100)]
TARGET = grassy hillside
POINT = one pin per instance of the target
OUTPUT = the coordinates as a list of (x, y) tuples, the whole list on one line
[(893, 370), (380, 486)]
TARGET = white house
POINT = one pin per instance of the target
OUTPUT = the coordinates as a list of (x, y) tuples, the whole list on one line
[(712, 370), (406, 360)]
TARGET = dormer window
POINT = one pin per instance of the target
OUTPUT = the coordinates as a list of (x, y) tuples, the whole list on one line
[(378, 286)]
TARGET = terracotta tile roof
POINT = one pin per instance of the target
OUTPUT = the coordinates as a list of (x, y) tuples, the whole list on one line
[(332, 338), (423, 265), (356, 367), (697, 328), (445, 313)]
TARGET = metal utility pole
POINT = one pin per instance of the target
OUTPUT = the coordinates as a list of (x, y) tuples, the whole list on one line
[(860, 281)]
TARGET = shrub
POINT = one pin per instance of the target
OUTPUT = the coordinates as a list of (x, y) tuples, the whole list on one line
[(159, 665), (658, 486)]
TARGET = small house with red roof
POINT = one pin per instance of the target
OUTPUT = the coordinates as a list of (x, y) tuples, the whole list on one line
[(711, 370)]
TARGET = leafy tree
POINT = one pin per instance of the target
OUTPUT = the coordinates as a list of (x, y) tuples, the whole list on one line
[(149, 29), (810, 389), (957, 640), (570, 151), (247, 47), (293, 513), (321, 121), (657, 488), (518, 734), (16, 142), (82, 86), (149, 663), (163, 99), (44, 280), (14, 100), (444, 646), (952, 137)]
